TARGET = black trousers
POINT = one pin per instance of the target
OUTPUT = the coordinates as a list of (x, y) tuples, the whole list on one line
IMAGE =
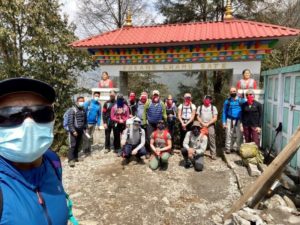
[(74, 142), (183, 133), (107, 136), (118, 129), (198, 160)]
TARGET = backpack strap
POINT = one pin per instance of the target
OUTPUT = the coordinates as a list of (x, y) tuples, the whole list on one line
[(56, 164), (166, 136)]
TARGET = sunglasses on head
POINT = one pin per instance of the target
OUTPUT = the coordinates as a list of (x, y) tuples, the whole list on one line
[(15, 115)]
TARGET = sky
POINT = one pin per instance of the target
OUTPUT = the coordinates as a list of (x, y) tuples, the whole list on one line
[(70, 8)]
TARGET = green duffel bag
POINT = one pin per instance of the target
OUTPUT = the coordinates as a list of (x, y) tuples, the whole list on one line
[(248, 150)]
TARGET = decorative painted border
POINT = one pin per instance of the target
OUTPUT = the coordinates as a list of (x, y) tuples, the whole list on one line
[(244, 50)]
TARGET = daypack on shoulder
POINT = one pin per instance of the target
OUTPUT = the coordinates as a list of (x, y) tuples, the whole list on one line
[(228, 103), (66, 118), (212, 110), (165, 136)]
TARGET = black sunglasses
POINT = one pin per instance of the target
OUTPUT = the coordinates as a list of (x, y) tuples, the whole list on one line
[(15, 115)]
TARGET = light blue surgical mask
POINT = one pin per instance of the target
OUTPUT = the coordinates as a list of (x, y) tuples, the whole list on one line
[(96, 99), (26, 142)]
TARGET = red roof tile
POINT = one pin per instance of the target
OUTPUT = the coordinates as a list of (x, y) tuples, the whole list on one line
[(229, 30)]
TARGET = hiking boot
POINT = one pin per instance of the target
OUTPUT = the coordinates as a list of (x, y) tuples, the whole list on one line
[(187, 164), (139, 160), (227, 151), (147, 156), (125, 161), (76, 160), (164, 166), (72, 163), (107, 150), (213, 157)]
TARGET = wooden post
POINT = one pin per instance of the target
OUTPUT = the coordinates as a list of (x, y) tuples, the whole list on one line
[(263, 183)]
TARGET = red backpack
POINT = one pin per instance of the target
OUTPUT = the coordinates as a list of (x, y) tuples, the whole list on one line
[(165, 136)]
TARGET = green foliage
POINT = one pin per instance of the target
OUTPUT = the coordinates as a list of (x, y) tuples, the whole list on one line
[(34, 42), (139, 82), (214, 83)]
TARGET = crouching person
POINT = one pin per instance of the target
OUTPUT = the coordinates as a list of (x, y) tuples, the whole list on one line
[(133, 141), (194, 146), (161, 144)]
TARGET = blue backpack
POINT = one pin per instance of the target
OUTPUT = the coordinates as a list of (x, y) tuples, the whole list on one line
[(66, 118)]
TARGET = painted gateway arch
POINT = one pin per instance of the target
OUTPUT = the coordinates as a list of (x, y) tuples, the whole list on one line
[(231, 44)]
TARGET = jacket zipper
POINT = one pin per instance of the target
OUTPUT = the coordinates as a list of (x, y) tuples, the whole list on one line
[(42, 203)]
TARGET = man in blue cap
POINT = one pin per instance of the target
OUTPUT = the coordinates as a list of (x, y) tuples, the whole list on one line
[(31, 190)]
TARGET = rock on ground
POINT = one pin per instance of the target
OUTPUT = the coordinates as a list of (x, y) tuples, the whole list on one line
[(105, 192)]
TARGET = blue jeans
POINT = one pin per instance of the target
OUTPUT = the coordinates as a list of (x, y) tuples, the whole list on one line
[(127, 150)]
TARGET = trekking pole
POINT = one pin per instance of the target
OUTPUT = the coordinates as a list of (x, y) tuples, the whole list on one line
[(278, 129)]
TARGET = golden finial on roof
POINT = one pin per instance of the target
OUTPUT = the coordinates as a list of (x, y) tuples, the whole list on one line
[(128, 21), (228, 12)]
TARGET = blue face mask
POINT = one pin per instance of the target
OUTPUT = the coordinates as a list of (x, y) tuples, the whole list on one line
[(26, 142)]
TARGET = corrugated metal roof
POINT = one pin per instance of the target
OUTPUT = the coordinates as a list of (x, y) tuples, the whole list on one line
[(228, 30)]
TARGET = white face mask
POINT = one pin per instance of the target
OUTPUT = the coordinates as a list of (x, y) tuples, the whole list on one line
[(80, 104), (26, 142), (96, 98)]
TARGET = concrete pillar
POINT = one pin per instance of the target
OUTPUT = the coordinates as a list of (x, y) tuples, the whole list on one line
[(124, 83)]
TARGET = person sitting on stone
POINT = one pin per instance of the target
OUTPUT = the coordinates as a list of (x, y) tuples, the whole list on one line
[(133, 140), (194, 146), (105, 82), (161, 144)]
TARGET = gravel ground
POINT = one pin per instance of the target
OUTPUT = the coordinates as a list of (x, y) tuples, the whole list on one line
[(105, 192)]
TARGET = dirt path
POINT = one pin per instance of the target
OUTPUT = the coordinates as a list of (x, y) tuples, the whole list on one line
[(105, 192)]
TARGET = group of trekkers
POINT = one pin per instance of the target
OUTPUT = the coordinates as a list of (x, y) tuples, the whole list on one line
[(145, 126)]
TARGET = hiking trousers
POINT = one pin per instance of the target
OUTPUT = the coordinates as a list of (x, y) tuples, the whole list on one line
[(150, 128), (107, 135), (198, 159), (157, 161), (183, 132), (89, 141), (127, 150), (118, 129), (74, 142), (233, 135), (251, 135), (212, 140)]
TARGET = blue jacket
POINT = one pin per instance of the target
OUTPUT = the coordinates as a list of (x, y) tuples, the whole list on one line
[(93, 112), (232, 109), (20, 190)]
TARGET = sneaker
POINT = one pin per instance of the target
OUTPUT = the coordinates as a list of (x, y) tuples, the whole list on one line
[(72, 163)]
